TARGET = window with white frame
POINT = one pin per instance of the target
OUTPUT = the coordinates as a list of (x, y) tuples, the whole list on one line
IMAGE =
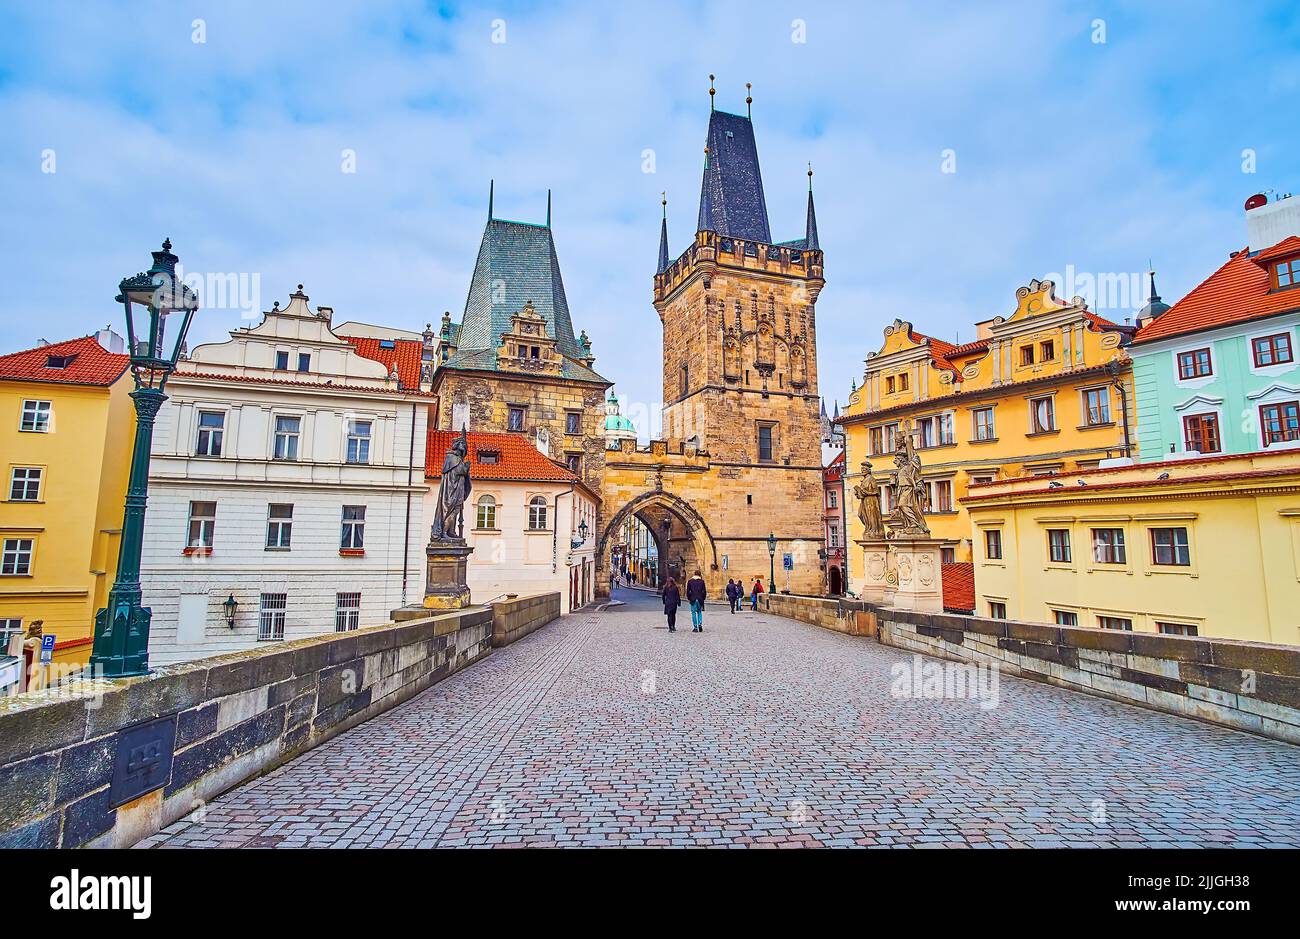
[(359, 441), (36, 416), (983, 423), (1108, 546), (270, 618), (212, 431), (832, 499), (834, 535), (347, 611), (16, 556), (279, 526), (202, 526), (1058, 545), (537, 513), (287, 431), (9, 627), (25, 484), (485, 515), (354, 528)]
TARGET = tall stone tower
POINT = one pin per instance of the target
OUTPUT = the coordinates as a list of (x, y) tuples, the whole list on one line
[(740, 364)]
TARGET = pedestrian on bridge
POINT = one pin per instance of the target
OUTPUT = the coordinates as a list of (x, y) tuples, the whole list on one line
[(695, 594), (734, 593), (754, 592), (672, 600)]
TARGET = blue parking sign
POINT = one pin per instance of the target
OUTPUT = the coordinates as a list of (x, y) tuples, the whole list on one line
[(787, 561), (47, 647)]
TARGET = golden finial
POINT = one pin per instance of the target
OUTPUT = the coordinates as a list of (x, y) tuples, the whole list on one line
[(749, 100), (810, 176), (712, 91)]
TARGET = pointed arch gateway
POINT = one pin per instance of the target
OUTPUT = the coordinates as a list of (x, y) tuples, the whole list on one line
[(645, 505)]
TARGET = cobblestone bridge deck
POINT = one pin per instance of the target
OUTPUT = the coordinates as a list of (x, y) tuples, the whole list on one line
[(605, 729)]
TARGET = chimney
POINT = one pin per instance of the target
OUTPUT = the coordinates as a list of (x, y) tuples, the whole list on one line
[(325, 312), (1270, 221), (110, 340)]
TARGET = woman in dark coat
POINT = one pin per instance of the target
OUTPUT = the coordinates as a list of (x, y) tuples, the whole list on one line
[(672, 600)]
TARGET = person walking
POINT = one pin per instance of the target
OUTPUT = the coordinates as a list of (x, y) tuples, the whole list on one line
[(695, 594), (754, 592), (672, 600), (733, 593)]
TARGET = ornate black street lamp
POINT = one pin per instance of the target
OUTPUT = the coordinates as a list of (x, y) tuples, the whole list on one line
[(771, 562), (231, 606), (159, 309), (1115, 370)]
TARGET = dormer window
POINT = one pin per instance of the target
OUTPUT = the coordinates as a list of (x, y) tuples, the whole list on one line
[(387, 344), (1287, 273), (488, 457), (59, 361)]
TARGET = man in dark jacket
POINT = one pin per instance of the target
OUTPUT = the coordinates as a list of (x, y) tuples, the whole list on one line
[(733, 593), (695, 594)]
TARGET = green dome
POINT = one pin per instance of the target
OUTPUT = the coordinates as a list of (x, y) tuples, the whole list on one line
[(619, 422)]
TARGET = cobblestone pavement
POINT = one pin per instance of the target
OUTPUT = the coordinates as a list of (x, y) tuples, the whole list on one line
[(605, 729)]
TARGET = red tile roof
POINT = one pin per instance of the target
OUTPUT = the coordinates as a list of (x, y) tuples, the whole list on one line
[(959, 587), (1236, 293), (91, 364), (519, 460), (405, 354)]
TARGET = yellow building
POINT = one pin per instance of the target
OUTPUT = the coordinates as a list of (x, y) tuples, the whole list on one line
[(1207, 546), (1046, 389), (66, 426)]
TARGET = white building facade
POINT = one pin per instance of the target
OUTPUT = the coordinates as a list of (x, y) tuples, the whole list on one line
[(287, 490)]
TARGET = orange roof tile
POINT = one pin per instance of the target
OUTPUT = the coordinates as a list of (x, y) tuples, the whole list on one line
[(90, 364), (405, 354), (518, 459), (959, 587), (1236, 293)]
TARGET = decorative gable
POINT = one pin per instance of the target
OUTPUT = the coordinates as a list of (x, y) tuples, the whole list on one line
[(526, 347)]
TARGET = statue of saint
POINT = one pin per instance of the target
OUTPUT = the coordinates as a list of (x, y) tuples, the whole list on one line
[(868, 495), (453, 490), (910, 497)]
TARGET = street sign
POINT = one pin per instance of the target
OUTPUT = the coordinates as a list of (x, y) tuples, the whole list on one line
[(47, 648), (787, 561)]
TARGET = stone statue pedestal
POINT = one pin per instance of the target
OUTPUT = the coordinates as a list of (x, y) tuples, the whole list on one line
[(444, 582), (876, 570), (917, 571)]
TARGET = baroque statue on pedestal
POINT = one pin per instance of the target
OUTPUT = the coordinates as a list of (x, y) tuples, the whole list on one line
[(910, 497), (453, 490), (868, 494)]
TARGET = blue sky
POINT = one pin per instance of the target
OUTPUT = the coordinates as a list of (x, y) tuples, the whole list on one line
[(1070, 153)]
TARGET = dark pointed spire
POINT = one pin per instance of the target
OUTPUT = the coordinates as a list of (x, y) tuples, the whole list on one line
[(1155, 306), (810, 231), (548, 208), (706, 222), (663, 237), (731, 191), (491, 187)]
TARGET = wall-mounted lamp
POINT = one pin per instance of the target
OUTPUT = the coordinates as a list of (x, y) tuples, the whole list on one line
[(230, 606)]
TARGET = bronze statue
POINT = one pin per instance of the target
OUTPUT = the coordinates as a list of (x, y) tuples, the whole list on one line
[(453, 490), (868, 495), (910, 497)]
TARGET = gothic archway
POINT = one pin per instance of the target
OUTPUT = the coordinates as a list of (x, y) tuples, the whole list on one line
[(643, 506)]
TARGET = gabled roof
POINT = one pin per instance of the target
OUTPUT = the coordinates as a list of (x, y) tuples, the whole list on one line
[(958, 587), (90, 364), (1238, 292), (516, 264), (406, 354), (519, 461), (731, 192)]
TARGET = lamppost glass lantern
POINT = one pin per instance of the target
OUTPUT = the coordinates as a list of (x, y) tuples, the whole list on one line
[(158, 310), (231, 606)]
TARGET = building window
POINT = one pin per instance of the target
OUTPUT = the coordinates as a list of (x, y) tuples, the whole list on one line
[(36, 417), (832, 499), (941, 495), (1047, 350), (1108, 546), (488, 457), (944, 428), (304, 361), (993, 544), (1026, 355), (517, 418), (16, 556), (287, 430), (1201, 433), (1058, 545), (890, 433), (980, 480), (25, 484), (1169, 547), (212, 430), (573, 422), (270, 620), (282, 360), (902, 382), (537, 513), (354, 528), (765, 442), (984, 429), (934, 431), (947, 555), (997, 609), (875, 440), (9, 627), (574, 462), (1280, 422), (1096, 406), (1176, 629), (1066, 617), (1287, 273), (1115, 622), (835, 535), (279, 526), (889, 384), (347, 611), (1042, 415), (359, 441), (1271, 350), (203, 525), (686, 380), (1194, 363), (485, 516)]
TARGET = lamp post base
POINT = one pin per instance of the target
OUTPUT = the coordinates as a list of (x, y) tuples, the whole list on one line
[(121, 646)]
